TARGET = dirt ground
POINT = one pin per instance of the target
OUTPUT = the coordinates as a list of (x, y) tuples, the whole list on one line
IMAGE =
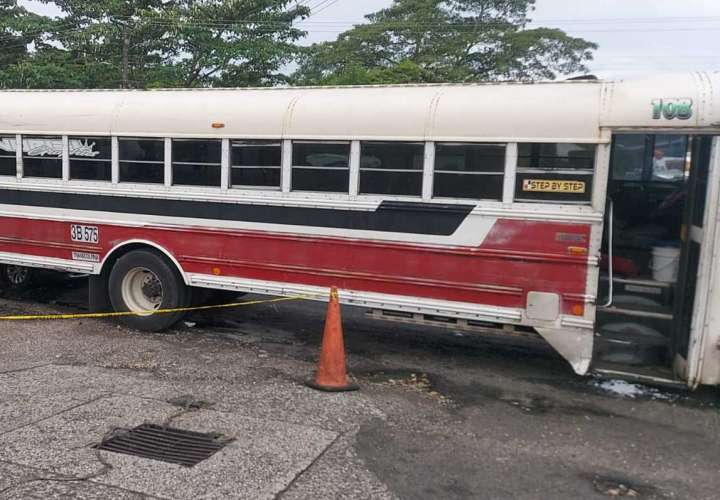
[(439, 414)]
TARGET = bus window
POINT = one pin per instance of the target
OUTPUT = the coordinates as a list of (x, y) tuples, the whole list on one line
[(321, 166), (42, 156), (469, 171), (256, 163), (142, 160), (555, 172), (90, 158), (669, 163), (628, 157), (196, 162), (8, 158), (391, 168)]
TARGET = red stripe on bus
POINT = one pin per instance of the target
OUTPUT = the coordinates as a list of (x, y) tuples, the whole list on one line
[(516, 257)]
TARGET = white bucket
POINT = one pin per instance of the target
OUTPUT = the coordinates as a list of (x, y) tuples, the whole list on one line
[(665, 264)]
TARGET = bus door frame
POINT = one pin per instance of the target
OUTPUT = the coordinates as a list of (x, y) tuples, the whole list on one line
[(700, 341)]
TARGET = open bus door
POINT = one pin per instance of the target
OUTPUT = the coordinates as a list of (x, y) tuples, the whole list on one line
[(697, 356), (686, 314), (653, 247)]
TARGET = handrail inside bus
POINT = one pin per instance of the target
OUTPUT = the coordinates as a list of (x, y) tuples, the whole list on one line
[(610, 256)]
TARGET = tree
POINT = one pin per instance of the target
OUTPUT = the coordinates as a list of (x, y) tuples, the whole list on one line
[(232, 43), (18, 29), (166, 43), (445, 41)]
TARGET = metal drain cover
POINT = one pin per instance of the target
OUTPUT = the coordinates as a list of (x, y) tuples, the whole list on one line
[(156, 442)]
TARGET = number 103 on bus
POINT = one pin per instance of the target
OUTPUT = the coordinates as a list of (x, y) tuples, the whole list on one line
[(84, 234)]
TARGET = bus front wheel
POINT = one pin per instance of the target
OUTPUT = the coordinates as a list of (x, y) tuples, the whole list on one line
[(144, 282)]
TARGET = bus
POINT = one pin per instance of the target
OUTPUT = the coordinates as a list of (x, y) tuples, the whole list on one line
[(580, 213)]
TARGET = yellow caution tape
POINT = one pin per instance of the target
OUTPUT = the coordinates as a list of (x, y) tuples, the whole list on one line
[(34, 317)]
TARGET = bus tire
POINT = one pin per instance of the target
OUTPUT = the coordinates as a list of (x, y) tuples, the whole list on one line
[(15, 277), (143, 280)]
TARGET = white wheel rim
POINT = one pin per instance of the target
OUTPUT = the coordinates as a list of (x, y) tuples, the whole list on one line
[(142, 291), (17, 275)]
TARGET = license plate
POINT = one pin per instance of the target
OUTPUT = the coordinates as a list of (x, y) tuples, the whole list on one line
[(84, 234), (549, 186)]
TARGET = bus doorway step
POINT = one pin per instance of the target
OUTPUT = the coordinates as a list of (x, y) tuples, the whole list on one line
[(631, 343), (648, 375)]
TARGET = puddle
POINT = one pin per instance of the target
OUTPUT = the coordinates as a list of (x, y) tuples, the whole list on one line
[(702, 398), (632, 391)]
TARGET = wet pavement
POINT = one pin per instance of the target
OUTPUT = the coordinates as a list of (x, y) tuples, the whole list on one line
[(440, 414)]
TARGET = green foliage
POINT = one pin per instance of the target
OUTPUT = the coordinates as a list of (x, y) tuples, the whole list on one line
[(204, 43), (18, 28), (445, 41), (158, 43)]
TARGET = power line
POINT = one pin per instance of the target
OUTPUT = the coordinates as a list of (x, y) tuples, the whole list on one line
[(329, 24), (327, 6), (259, 26), (346, 22)]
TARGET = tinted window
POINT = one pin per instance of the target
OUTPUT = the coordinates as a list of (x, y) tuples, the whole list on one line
[(321, 166), (256, 163), (142, 160), (391, 168), (469, 171), (556, 156), (628, 160), (649, 158), (669, 158), (196, 162), (8, 160), (90, 158), (551, 172), (42, 156)]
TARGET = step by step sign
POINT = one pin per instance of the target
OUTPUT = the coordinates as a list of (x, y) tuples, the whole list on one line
[(550, 186)]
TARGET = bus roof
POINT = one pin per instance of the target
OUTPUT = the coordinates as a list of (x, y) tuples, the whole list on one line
[(568, 111)]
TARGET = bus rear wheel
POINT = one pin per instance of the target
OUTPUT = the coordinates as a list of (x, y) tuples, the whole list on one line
[(15, 277), (142, 282)]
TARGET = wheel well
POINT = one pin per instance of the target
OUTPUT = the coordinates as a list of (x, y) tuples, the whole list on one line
[(126, 248)]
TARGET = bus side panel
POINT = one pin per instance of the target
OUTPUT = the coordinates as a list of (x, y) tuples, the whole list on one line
[(516, 257)]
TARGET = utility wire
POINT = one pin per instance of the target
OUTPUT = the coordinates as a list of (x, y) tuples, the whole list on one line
[(327, 6), (258, 26)]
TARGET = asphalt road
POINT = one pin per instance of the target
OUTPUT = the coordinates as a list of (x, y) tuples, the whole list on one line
[(439, 415)]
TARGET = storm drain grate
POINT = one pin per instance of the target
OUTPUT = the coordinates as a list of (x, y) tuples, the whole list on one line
[(156, 442)]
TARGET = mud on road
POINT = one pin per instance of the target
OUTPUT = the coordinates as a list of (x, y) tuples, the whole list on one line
[(439, 414)]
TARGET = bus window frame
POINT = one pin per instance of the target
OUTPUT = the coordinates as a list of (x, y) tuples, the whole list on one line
[(116, 160), (504, 173), (420, 171), (250, 187), (64, 159), (291, 167), (67, 159), (538, 170)]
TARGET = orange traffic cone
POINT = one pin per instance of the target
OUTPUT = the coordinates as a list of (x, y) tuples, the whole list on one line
[(331, 374)]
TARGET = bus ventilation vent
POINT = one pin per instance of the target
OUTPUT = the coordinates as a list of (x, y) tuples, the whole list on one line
[(166, 444)]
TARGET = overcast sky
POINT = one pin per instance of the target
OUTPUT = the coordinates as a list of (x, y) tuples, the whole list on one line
[(635, 36)]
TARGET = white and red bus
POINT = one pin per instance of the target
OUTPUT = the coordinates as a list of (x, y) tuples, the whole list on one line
[(581, 212)]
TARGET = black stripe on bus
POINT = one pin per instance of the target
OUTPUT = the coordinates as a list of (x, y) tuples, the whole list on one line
[(390, 216)]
